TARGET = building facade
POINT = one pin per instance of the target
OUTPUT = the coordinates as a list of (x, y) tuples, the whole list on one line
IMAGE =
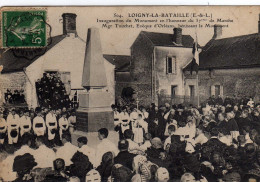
[(155, 69), (230, 66), (65, 55)]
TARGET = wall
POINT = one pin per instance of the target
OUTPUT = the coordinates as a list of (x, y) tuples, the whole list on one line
[(164, 81), (67, 56), (13, 81), (141, 69), (241, 82)]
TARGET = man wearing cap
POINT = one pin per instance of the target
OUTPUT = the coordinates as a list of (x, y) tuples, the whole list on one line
[(51, 123), (25, 123), (39, 126), (3, 128), (13, 122), (85, 149)]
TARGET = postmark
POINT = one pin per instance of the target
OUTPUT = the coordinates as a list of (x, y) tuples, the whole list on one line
[(24, 29)]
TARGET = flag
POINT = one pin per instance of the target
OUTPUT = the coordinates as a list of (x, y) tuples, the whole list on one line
[(195, 59)]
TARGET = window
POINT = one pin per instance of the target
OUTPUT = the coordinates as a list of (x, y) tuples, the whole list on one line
[(171, 65), (192, 91), (173, 90), (217, 90)]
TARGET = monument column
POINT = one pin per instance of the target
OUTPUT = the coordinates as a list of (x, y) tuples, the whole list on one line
[(94, 110)]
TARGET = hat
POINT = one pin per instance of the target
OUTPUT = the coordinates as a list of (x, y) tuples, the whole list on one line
[(74, 179), (187, 177), (145, 169), (156, 143), (93, 175), (138, 161), (162, 175), (27, 161)]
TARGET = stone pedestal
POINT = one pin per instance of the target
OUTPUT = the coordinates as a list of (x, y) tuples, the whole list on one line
[(95, 103), (94, 111)]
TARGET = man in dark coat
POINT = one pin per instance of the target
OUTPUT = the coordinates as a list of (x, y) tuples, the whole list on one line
[(124, 157), (212, 145)]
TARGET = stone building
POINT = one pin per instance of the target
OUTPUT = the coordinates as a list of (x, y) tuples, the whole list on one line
[(65, 54), (155, 69), (229, 66)]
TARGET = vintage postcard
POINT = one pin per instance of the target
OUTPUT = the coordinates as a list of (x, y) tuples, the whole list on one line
[(130, 93)]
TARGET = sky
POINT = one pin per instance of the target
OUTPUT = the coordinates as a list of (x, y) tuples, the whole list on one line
[(118, 40)]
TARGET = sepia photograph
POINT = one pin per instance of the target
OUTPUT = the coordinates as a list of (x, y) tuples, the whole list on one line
[(130, 94)]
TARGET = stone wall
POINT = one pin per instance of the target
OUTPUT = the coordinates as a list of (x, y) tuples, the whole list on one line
[(241, 82), (141, 69), (12, 81)]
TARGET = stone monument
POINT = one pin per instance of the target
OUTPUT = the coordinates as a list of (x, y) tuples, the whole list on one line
[(94, 110)]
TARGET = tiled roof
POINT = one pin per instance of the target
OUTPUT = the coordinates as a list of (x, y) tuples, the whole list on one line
[(164, 39), (12, 63), (234, 52), (121, 62)]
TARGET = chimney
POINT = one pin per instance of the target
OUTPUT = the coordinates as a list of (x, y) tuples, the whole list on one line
[(259, 24), (217, 31), (177, 36), (69, 24)]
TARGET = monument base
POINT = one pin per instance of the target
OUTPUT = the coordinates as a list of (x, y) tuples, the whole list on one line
[(92, 121)]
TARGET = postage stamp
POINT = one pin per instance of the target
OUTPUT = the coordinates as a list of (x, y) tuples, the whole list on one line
[(23, 29)]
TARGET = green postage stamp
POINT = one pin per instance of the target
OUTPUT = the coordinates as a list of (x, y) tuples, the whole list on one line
[(23, 29)]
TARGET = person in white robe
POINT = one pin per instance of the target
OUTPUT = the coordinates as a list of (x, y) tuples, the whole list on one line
[(13, 122), (63, 124), (104, 146), (124, 122), (116, 116), (66, 151), (51, 123), (43, 155), (25, 123), (72, 122), (39, 126), (3, 128), (87, 150), (140, 127)]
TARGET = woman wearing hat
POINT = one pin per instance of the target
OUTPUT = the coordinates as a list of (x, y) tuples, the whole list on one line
[(63, 124), (3, 128), (13, 122)]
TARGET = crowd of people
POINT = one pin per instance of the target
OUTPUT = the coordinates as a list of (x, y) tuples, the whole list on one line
[(52, 92), (15, 97), (213, 142)]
